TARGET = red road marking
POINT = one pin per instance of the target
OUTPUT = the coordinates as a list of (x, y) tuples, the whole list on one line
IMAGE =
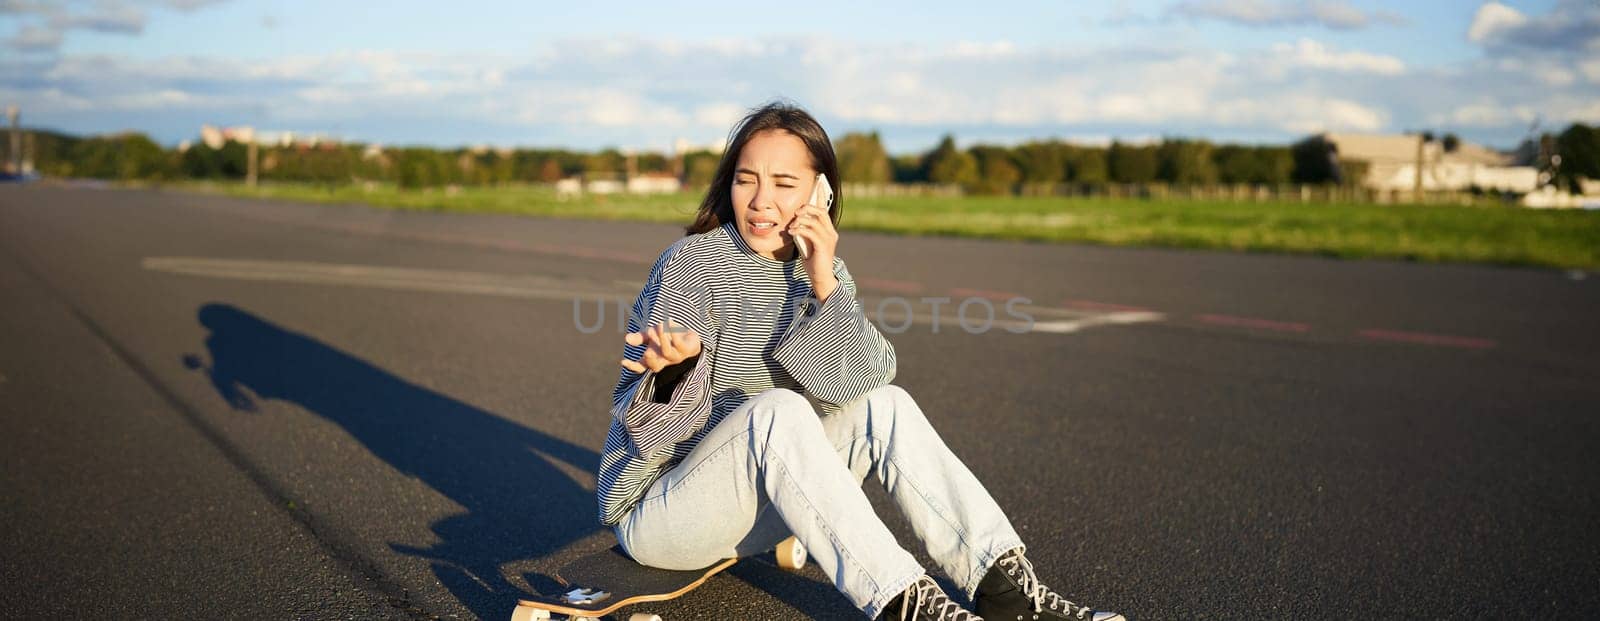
[(1092, 305), (1251, 322), (902, 286), (983, 293), (544, 248), (1424, 338)]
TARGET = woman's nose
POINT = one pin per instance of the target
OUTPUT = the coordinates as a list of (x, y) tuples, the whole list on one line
[(762, 199)]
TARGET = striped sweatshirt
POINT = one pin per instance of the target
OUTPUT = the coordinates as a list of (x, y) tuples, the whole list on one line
[(760, 327)]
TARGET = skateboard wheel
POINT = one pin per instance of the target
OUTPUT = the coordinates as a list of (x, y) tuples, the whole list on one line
[(530, 614), (791, 554), (644, 616)]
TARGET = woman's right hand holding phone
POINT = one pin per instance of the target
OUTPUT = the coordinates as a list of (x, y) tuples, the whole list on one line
[(665, 345)]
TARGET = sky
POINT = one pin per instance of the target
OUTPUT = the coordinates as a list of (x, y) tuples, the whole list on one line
[(642, 76)]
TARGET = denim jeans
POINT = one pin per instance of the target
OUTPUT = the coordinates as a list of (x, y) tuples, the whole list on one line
[(773, 467)]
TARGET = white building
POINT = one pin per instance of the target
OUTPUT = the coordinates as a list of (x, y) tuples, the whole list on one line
[(654, 183), (215, 137), (1391, 161)]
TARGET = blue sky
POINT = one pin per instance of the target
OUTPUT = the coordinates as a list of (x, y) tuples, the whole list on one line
[(642, 75)]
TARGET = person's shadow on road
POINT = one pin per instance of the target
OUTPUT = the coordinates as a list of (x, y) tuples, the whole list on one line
[(518, 504)]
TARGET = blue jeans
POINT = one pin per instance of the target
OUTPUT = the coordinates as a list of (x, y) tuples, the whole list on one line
[(772, 467)]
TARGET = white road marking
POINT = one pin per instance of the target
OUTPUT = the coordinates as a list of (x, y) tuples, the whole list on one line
[(1064, 327)]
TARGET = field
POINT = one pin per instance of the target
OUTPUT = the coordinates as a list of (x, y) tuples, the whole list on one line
[(1433, 233)]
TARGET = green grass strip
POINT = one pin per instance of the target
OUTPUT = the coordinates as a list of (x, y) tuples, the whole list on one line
[(1497, 235)]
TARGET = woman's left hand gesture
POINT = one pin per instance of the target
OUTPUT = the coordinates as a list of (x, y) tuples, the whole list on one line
[(812, 223)]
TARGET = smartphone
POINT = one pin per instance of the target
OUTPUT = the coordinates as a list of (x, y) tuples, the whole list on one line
[(821, 196)]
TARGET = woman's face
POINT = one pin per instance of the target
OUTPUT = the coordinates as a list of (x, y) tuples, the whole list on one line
[(773, 178)]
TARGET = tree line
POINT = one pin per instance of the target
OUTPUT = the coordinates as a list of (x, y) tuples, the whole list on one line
[(982, 168)]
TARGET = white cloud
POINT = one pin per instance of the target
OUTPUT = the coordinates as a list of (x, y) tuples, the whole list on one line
[(161, 99), (44, 24), (719, 114), (1571, 26), (1555, 76), (639, 92), (30, 38), (190, 5), (1492, 19), (982, 49), (1485, 113), (109, 18), (1309, 53), (1303, 114), (23, 7), (1578, 108), (1335, 14), (1544, 66), (1339, 114), (1591, 70), (1490, 113), (53, 99)]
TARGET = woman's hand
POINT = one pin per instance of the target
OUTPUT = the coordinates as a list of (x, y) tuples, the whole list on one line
[(665, 345), (813, 224)]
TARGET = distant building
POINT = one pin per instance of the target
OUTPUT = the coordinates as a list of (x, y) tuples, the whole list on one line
[(611, 183), (569, 187), (604, 186), (654, 183), (1391, 161), (484, 149), (215, 137), (1549, 197)]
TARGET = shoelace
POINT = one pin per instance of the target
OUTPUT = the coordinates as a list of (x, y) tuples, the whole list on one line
[(1020, 568), (925, 592)]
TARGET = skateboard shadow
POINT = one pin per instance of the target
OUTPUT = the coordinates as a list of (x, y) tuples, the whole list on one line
[(502, 473)]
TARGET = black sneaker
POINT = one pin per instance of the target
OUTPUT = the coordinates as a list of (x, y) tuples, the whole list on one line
[(1011, 591), (925, 601)]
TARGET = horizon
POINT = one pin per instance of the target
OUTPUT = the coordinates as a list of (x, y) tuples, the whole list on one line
[(585, 79), (1136, 142)]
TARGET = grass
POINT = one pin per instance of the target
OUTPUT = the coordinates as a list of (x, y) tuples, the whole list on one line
[(1433, 233)]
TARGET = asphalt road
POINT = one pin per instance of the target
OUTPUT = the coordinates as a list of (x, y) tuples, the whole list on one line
[(215, 408)]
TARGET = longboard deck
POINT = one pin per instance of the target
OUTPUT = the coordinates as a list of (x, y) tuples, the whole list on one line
[(623, 581)]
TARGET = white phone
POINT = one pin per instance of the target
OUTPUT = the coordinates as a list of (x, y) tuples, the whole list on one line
[(821, 196)]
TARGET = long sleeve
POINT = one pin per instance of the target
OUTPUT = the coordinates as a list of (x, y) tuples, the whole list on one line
[(836, 353), (651, 426)]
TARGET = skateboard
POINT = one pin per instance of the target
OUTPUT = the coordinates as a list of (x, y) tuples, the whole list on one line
[(605, 581)]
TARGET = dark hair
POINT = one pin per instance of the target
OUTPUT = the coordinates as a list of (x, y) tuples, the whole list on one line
[(717, 207)]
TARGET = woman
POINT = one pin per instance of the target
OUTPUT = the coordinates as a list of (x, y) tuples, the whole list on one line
[(736, 345)]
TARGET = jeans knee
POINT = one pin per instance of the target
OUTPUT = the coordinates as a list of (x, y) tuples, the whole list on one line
[(781, 398), (676, 551), (778, 406), (896, 400), (891, 392)]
